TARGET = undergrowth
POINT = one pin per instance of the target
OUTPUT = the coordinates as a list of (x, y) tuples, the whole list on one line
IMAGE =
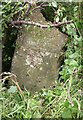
[(63, 101)]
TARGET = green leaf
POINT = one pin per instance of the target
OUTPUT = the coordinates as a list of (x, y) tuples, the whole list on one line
[(63, 29), (57, 19), (28, 114), (66, 104), (49, 27), (37, 114), (12, 89), (9, 58), (66, 113), (73, 63), (34, 103)]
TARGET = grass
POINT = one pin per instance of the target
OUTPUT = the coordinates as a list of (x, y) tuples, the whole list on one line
[(63, 101)]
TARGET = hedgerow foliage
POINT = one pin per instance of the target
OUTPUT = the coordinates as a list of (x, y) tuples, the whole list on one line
[(65, 100)]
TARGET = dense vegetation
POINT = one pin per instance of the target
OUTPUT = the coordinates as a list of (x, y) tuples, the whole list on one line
[(65, 100)]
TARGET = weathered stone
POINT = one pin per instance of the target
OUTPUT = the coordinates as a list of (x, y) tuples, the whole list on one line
[(36, 58)]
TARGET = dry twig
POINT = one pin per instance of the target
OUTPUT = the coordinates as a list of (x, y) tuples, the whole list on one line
[(38, 24), (12, 77)]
